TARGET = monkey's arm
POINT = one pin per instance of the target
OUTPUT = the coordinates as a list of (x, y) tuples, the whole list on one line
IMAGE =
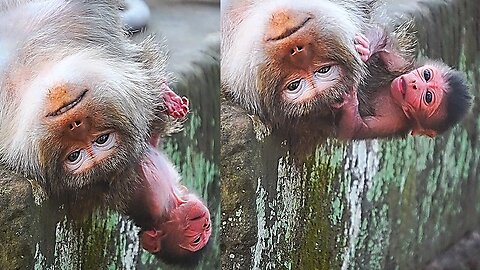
[(394, 48), (353, 126)]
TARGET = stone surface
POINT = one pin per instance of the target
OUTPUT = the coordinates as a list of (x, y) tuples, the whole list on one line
[(17, 222), (460, 256)]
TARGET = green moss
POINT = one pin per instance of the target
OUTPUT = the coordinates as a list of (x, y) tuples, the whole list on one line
[(323, 220)]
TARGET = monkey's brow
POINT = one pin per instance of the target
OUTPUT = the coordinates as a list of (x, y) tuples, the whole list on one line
[(290, 31)]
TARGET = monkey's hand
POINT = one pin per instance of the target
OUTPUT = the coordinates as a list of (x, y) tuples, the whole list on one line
[(362, 45), (350, 101), (177, 106), (339, 104), (350, 118)]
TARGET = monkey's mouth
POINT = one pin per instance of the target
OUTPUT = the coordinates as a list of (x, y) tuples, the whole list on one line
[(69, 105), (403, 86), (289, 31), (400, 85)]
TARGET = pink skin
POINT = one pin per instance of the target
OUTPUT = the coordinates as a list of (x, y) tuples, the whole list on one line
[(169, 215), (187, 228), (412, 100), (410, 92), (181, 221), (362, 45), (177, 106)]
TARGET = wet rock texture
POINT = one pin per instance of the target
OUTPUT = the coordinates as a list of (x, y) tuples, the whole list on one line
[(375, 204)]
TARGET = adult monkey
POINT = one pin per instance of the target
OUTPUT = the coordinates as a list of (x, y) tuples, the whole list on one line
[(80, 104), (290, 61), (403, 95)]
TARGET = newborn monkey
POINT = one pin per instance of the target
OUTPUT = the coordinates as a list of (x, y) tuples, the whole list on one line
[(175, 223), (402, 96)]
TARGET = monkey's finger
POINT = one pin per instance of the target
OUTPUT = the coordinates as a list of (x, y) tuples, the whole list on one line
[(338, 105), (364, 52), (185, 101), (362, 40)]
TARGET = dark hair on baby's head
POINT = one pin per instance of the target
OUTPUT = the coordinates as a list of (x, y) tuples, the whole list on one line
[(457, 100)]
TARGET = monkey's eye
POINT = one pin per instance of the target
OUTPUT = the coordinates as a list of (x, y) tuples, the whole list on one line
[(75, 159), (105, 141), (427, 74), (324, 69), (196, 241), (428, 97), (327, 74), (102, 139), (295, 89), (293, 85), (73, 156)]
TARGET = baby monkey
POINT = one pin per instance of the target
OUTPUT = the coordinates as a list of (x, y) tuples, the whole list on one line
[(401, 95), (175, 224)]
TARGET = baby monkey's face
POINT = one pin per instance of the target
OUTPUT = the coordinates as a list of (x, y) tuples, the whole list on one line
[(420, 93)]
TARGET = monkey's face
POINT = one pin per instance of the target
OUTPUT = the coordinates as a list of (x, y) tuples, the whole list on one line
[(81, 127), (187, 229), (193, 221), (420, 94), (83, 118), (309, 74), (300, 61)]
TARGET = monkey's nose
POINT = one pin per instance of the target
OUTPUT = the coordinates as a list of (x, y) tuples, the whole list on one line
[(75, 124), (300, 55), (206, 225), (77, 127), (296, 49)]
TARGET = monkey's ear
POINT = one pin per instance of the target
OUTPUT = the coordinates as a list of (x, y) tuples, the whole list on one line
[(425, 132), (151, 240)]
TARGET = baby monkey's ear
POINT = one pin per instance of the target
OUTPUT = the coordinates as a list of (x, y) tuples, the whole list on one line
[(425, 132), (151, 240)]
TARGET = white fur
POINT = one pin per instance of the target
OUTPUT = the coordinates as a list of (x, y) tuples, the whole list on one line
[(242, 55)]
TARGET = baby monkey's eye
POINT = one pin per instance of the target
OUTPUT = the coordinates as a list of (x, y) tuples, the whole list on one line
[(427, 74), (428, 97), (196, 241)]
